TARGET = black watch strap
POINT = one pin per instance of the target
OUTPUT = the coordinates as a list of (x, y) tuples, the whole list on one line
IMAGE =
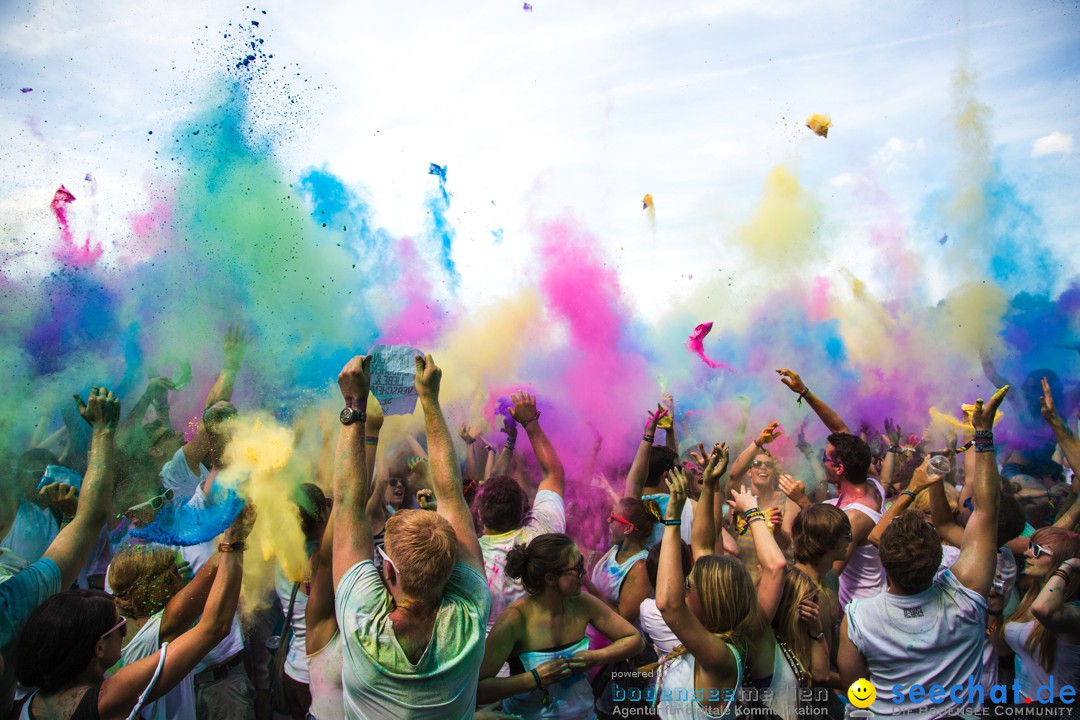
[(352, 415)]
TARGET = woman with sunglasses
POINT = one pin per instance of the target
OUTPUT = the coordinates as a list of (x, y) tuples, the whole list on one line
[(1044, 630), (74, 637), (758, 470), (619, 576), (542, 636)]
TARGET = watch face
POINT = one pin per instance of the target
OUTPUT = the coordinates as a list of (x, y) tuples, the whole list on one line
[(348, 415)]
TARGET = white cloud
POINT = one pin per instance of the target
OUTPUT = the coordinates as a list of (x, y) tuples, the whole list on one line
[(1056, 143), (891, 153)]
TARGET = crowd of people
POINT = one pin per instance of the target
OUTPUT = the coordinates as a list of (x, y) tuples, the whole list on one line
[(945, 579)]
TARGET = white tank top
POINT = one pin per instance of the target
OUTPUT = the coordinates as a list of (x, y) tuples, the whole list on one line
[(863, 576), (327, 691), (677, 677), (608, 574), (1029, 671)]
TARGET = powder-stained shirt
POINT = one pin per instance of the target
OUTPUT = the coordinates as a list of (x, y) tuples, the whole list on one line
[(179, 702), (380, 681), (547, 516)]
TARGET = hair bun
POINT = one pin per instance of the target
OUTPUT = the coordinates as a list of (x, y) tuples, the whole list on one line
[(517, 560)]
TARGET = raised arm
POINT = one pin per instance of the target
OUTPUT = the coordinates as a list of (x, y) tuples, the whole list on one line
[(920, 482), (121, 691), (187, 605), (1070, 445), (156, 395), (71, 548), (235, 345), (671, 437), (827, 414), (769, 555), (506, 455), (524, 412), (352, 538), (639, 469), (977, 562), (319, 618), (1050, 608), (703, 532), (445, 474), (671, 590)]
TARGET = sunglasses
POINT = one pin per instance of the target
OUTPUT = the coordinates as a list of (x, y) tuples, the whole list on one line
[(622, 520), (689, 584), (121, 626), (579, 568), (764, 463), (825, 459), (155, 503), (395, 482), (1038, 550)]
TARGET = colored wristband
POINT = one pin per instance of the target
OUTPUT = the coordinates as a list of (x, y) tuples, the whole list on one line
[(803, 394), (534, 418), (673, 522), (816, 637), (536, 677), (371, 440), (909, 493), (984, 448), (648, 438), (984, 434)]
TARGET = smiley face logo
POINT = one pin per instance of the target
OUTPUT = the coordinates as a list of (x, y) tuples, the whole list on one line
[(861, 693)]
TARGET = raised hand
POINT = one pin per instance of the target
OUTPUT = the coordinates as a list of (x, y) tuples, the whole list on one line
[(982, 417), (792, 380), (509, 428), (794, 489), (809, 616), (654, 418), (523, 409), (465, 434), (242, 525), (425, 499), (770, 433), (355, 379), (1046, 404), (713, 465), (677, 484), (235, 344), (893, 433), (921, 478), (62, 496), (101, 411), (428, 377)]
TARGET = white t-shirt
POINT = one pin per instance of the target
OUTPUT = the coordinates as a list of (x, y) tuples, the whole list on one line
[(548, 515), (196, 556), (932, 638), (178, 703), (296, 664), (380, 681), (652, 622), (32, 531), (177, 476)]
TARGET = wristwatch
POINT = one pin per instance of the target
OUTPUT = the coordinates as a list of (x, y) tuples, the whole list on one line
[(351, 415)]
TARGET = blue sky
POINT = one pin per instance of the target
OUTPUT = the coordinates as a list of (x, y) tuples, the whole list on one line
[(576, 108)]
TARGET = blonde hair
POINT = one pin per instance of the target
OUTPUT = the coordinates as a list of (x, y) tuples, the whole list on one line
[(423, 548), (144, 579), (797, 587), (1064, 544), (728, 601), (952, 496)]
